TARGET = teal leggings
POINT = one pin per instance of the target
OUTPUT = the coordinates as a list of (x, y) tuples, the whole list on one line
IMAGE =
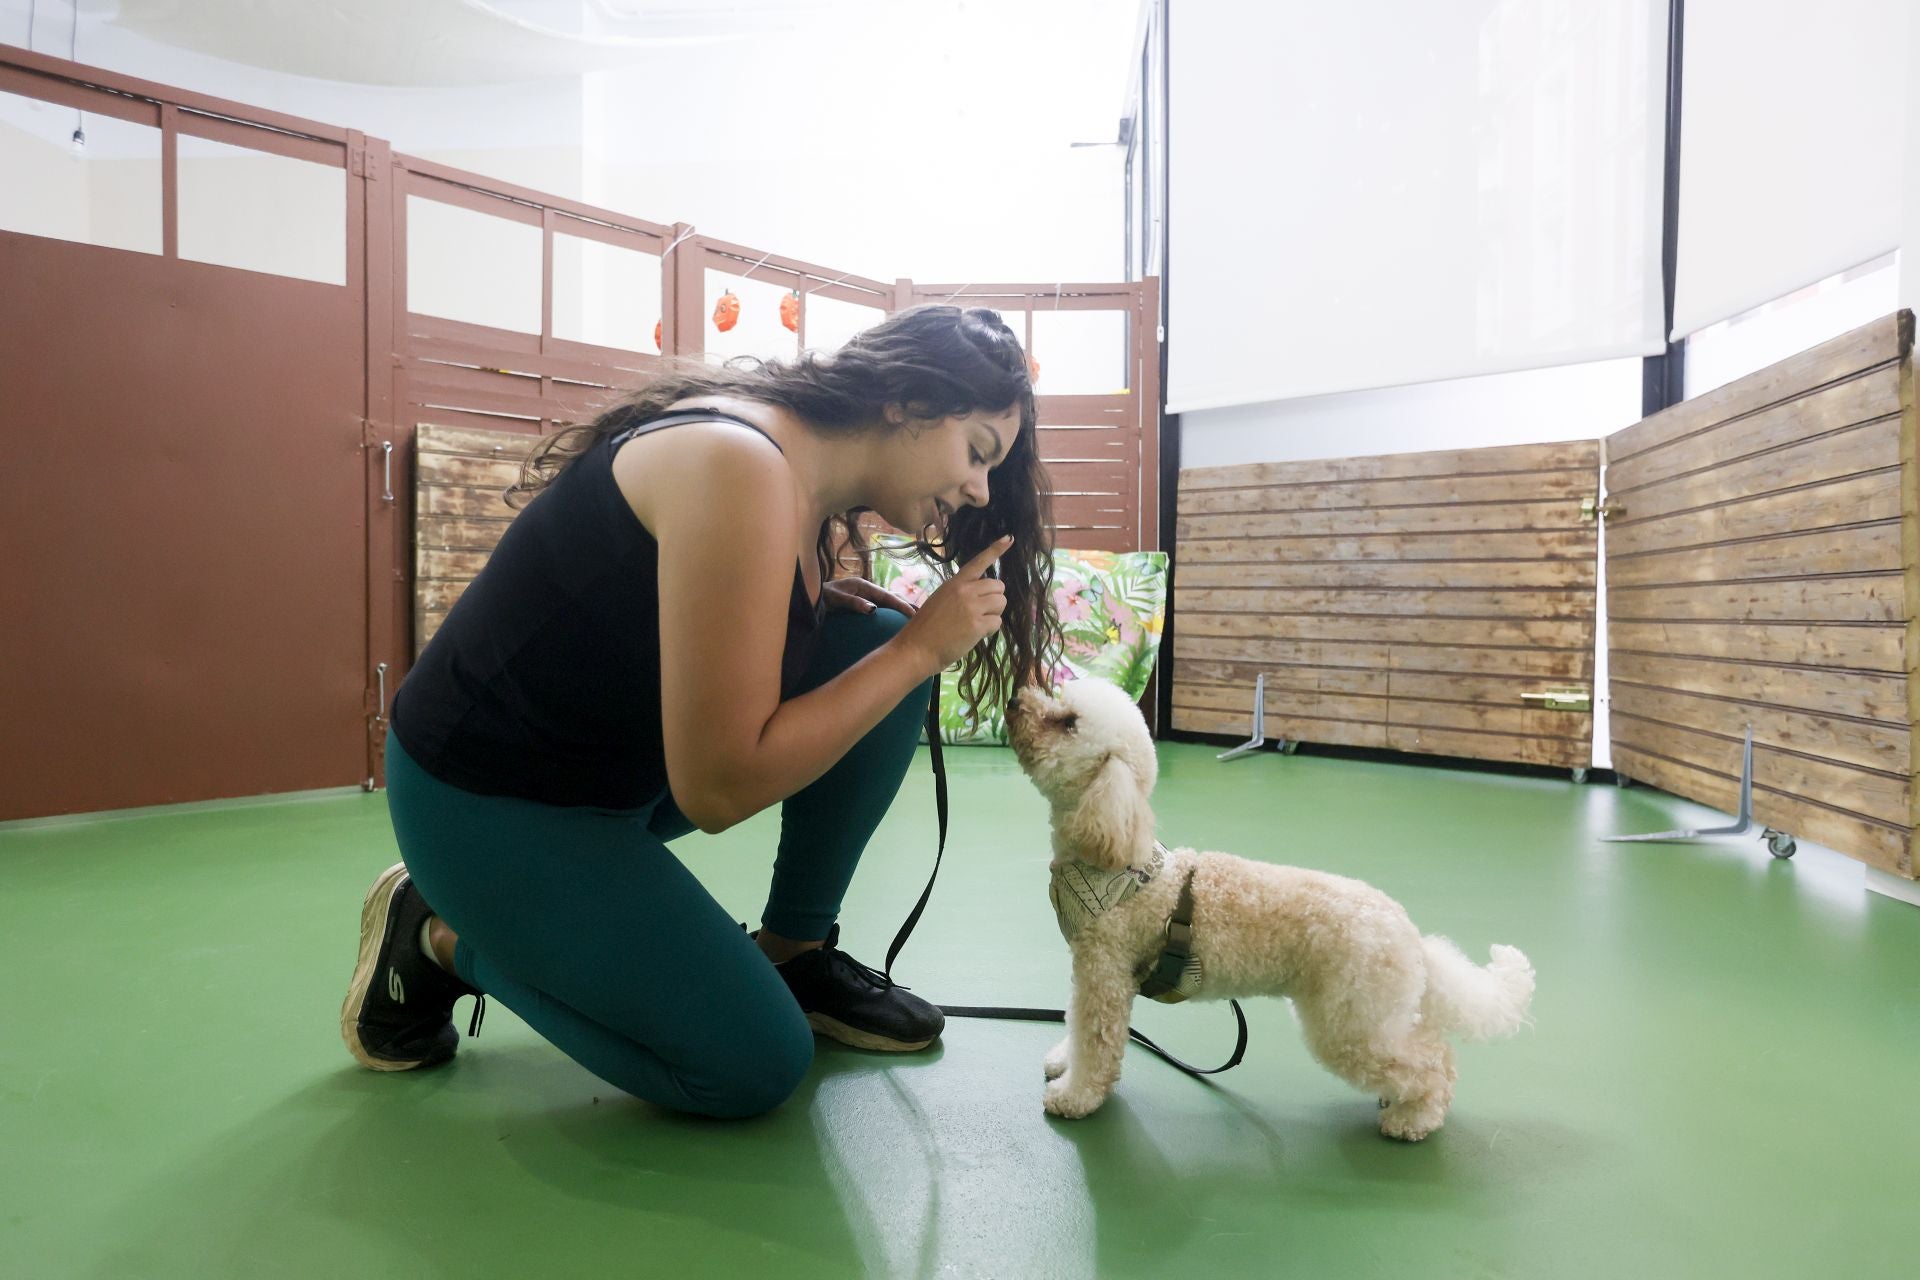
[(583, 922)]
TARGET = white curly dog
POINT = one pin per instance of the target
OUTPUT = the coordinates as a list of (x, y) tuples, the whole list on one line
[(1376, 1000)]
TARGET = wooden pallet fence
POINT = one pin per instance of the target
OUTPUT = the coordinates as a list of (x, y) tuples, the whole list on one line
[(1761, 552), (458, 513), (1405, 601)]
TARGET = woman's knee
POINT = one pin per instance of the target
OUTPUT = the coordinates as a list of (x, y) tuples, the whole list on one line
[(849, 636), (845, 638), (883, 622), (760, 1073)]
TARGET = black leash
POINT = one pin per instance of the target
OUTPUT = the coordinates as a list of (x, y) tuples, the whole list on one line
[(997, 1011)]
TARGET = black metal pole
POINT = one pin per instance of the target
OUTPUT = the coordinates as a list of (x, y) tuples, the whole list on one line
[(1169, 423), (1663, 378)]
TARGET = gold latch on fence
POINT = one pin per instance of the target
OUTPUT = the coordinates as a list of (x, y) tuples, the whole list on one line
[(1563, 699), (1591, 508)]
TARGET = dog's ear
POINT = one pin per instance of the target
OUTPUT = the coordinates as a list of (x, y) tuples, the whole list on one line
[(1112, 824)]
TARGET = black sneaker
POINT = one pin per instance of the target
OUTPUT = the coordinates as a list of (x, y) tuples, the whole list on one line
[(398, 1013), (846, 1001)]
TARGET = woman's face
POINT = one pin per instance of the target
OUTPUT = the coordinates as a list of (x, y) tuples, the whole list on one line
[(932, 469)]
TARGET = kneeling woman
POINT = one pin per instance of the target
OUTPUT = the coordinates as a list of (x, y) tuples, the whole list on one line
[(653, 647)]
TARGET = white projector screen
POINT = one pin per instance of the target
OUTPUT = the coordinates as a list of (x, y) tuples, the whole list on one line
[(1377, 193), (1791, 145)]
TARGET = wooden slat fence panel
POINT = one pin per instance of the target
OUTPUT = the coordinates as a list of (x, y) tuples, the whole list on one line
[(1403, 601), (1761, 547)]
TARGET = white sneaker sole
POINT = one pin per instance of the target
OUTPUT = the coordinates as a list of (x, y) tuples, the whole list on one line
[(834, 1029), (373, 927)]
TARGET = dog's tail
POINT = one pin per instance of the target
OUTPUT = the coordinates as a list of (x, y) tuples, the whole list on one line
[(1478, 1003)]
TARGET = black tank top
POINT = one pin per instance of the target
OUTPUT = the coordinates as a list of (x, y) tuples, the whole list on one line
[(544, 680)]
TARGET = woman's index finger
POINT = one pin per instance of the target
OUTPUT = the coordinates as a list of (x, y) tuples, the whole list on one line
[(977, 567)]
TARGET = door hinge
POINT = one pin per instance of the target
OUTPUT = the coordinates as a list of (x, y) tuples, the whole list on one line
[(1592, 508), (1562, 699)]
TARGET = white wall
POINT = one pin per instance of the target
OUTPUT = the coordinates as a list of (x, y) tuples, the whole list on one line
[(884, 150), (45, 193), (1909, 288), (1805, 318), (1575, 402), (929, 141)]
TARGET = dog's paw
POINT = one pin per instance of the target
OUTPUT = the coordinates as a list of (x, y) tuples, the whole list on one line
[(1411, 1123), (1056, 1061), (1070, 1101)]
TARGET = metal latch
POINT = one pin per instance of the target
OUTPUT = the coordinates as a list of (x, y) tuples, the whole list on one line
[(1590, 508), (1563, 699)]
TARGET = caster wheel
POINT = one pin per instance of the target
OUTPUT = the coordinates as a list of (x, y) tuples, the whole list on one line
[(1288, 747), (1579, 775), (1622, 781), (1780, 844)]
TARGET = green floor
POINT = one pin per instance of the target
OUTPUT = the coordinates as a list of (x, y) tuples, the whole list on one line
[(1720, 1082)]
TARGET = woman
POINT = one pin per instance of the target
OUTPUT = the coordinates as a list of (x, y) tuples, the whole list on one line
[(638, 658)]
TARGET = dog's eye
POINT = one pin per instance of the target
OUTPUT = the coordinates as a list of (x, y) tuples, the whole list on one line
[(1069, 721)]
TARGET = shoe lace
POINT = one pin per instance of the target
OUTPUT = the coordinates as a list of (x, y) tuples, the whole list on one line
[(874, 977)]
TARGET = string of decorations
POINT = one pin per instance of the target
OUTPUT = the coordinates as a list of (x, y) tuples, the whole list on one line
[(726, 311)]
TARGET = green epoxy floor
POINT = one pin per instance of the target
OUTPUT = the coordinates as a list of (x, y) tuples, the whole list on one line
[(1720, 1081)]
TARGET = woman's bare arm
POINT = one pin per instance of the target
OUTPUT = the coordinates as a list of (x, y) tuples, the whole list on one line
[(726, 521)]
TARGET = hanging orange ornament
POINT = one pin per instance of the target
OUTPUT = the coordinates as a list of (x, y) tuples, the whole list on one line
[(656, 336), (790, 311), (1033, 371), (726, 312)]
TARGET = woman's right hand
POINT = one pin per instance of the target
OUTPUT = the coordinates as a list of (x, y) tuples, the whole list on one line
[(964, 611)]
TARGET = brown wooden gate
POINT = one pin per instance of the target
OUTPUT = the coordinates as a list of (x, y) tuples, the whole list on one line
[(185, 529)]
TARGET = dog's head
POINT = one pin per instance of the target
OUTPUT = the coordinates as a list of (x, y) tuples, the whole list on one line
[(1088, 751)]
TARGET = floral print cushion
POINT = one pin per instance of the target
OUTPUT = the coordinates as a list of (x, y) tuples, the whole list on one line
[(1112, 605)]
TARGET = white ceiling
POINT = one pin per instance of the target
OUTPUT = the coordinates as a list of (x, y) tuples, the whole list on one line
[(448, 42), (432, 43)]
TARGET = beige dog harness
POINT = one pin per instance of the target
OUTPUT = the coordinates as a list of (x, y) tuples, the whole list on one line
[(1081, 892)]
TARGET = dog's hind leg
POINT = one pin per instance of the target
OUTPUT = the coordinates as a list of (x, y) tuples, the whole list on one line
[(1412, 1074), (1426, 1072)]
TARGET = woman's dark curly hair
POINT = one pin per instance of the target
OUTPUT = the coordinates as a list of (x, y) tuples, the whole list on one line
[(934, 362)]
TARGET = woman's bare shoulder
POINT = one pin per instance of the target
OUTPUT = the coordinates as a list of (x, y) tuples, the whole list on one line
[(719, 462)]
